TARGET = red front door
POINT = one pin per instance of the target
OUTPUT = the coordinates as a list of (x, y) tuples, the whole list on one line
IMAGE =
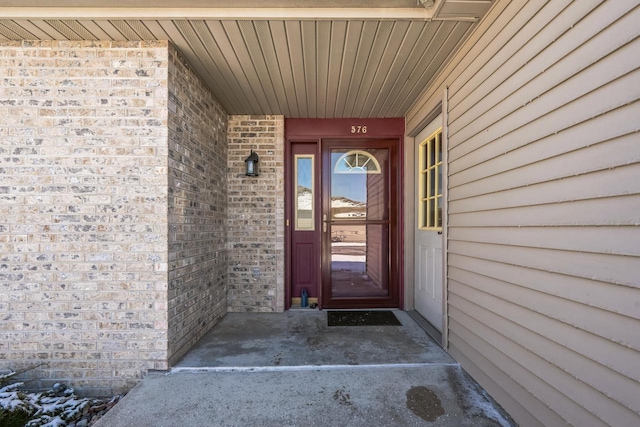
[(343, 210)]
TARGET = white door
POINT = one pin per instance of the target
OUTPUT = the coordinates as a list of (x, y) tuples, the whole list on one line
[(428, 225)]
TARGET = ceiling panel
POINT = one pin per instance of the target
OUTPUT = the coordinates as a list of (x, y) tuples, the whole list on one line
[(353, 36), (283, 64), (445, 42), (14, 31), (315, 68), (362, 57), (294, 44), (220, 78), (389, 56), (375, 55), (256, 61), (112, 31), (35, 30), (398, 63), (268, 53), (336, 58), (222, 49), (237, 52), (310, 52), (323, 44), (409, 70)]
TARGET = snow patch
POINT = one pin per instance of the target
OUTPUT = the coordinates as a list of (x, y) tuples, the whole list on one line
[(304, 201), (349, 258), (475, 401), (53, 408), (343, 202)]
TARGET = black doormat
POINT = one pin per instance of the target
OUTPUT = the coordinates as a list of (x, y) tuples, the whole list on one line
[(362, 318)]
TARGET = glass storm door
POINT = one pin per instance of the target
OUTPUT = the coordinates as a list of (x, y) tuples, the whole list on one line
[(358, 224)]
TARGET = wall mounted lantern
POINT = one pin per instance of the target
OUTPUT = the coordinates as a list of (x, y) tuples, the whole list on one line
[(251, 163)]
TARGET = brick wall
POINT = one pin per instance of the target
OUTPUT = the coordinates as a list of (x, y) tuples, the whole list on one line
[(197, 208), (119, 194), (83, 202), (256, 215)]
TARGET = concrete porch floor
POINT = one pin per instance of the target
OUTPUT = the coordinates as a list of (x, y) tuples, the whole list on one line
[(291, 369)]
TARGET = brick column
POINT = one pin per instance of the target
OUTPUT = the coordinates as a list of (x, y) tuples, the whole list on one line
[(256, 215), (113, 210), (83, 202)]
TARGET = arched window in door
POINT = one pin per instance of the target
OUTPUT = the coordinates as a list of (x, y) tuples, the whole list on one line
[(357, 161)]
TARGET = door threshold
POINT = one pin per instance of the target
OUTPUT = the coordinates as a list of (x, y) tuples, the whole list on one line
[(435, 334), (299, 308), (364, 309)]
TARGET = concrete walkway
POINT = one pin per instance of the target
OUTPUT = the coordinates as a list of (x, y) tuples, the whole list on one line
[(291, 369)]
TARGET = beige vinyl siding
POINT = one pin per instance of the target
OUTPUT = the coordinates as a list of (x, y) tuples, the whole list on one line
[(544, 209)]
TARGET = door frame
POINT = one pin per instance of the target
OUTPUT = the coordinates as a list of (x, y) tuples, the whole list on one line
[(317, 130), (409, 213), (393, 299)]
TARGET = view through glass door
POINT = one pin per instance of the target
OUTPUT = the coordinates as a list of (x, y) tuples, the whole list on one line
[(358, 224)]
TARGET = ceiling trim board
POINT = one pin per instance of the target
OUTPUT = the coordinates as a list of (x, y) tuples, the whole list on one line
[(315, 14)]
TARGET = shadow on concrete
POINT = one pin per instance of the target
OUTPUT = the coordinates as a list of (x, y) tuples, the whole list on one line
[(302, 337)]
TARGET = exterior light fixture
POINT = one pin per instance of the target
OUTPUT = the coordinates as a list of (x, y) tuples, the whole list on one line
[(251, 163)]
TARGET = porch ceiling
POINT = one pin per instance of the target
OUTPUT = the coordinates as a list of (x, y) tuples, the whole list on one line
[(347, 58)]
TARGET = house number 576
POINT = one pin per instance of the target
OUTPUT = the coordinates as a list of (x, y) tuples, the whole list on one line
[(358, 129)]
